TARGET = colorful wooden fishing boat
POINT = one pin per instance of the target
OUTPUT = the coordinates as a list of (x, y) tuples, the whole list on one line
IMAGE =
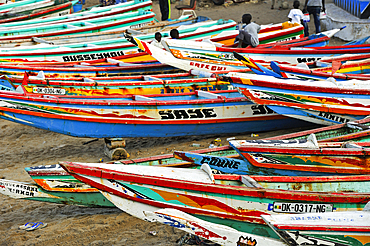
[(57, 10), (163, 26), (297, 157), (106, 48), (345, 228), (181, 114), (114, 68), (13, 9), (115, 86), (93, 13), (206, 196), (357, 131), (275, 162), (83, 194), (340, 72), (186, 59), (190, 51), (326, 102), (351, 70), (126, 20), (217, 233), (56, 182)]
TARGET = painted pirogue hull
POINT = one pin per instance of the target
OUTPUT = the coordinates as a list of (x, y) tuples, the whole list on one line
[(13, 9), (56, 181), (27, 191), (345, 228), (354, 70), (217, 233), (166, 115), (106, 70), (124, 86), (58, 10), (126, 20), (322, 103), (151, 27), (96, 12), (194, 192), (326, 160), (358, 131), (111, 48), (190, 50)]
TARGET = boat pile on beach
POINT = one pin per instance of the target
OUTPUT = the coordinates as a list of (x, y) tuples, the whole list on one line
[(96, 73)]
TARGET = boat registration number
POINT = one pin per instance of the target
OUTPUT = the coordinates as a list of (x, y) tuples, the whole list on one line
[(53, 91), (285, 207)]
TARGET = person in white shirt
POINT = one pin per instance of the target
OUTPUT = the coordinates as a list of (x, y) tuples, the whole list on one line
[(249, 34), (157, 41), (296, 16)]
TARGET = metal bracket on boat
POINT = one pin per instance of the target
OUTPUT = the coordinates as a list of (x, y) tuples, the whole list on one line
[(303, 66), (41, 41), (142, 98), (69, 26), (202, 74), (130, 31), (322, 64), (208, 170), (40, 75), (150, 78), (249, 182), (367, 207), (88, 24), (121, 64), (351, 145), (88, 80), (207, 94), (165, 46), (312, 138), (357, 126), (91, 45)]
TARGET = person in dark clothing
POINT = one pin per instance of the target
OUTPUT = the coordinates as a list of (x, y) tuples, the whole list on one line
[(165, 7), (174, 33), (314, 7), (249, 34)]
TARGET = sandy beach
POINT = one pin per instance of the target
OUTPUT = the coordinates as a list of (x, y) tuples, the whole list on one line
[(24, 146)]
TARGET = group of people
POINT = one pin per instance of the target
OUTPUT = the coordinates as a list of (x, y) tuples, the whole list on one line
[(312, 7), (174, 33), (248, 33)]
